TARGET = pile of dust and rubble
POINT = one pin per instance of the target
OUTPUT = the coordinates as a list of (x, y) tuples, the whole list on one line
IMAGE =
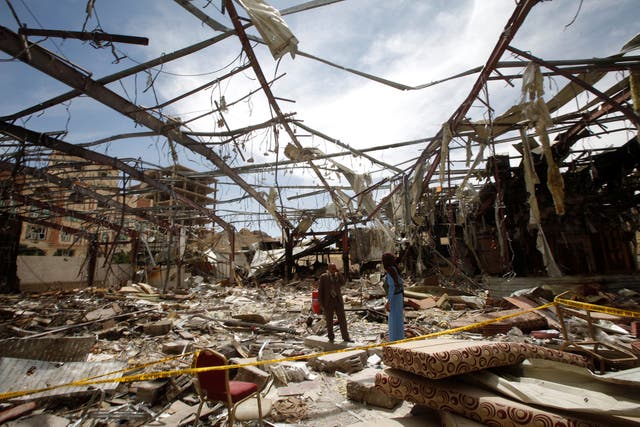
[(58, 337)]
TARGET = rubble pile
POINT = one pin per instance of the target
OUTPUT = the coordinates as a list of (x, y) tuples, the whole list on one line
[(83, 338)]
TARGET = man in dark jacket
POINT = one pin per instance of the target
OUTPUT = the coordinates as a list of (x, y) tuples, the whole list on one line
[(330, 296)]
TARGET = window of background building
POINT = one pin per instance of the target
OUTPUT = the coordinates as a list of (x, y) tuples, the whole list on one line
[(63, 252), (36, 232)]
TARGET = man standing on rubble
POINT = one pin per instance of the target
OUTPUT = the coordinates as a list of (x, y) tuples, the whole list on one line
[(394, 287), (330, 296)]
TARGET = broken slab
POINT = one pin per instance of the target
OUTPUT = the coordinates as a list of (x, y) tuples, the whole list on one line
[(361, 388), (445, 357), (103, 313), (316, 341), (52, 349), (345, 361)]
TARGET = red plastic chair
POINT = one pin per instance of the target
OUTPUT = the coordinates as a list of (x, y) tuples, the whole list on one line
[(215, 386)]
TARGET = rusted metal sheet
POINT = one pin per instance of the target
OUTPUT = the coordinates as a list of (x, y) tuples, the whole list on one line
[(51, 349), (28, 374)]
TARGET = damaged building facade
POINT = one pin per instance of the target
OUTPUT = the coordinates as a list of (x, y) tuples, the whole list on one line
[(163, 195)]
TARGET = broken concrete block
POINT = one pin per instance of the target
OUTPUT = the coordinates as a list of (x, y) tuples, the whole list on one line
[(296, 371), (103, 313), (443, 302), (315, 341), (149, 391), (160, 327), (361, 388), (185, 335), (176, 347), (470, 301), (347, 362), (421, 304)]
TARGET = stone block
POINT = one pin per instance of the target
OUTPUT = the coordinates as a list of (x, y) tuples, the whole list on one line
[(346, 361), (160, 327), (361, 388), (316, 341), (149, 391), (176, 347)]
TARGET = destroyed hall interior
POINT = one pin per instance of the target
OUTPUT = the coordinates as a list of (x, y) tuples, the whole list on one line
[(177, 175)]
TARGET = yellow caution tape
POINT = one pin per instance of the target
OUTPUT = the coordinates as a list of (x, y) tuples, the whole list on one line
[(193, 371), (599, 308)]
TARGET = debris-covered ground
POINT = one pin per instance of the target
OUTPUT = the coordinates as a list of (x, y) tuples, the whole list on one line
[(148, 338)]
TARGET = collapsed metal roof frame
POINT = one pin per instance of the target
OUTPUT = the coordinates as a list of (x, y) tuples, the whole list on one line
[(420, 173)]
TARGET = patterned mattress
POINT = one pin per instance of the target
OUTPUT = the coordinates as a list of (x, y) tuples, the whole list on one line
[(446, 357)]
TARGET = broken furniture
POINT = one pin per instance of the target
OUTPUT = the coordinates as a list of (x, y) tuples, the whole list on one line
[(603, 356), (215, 385)]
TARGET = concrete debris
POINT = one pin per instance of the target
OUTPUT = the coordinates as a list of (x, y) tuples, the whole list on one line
[(349, 361), (361, 388), (99, 331)]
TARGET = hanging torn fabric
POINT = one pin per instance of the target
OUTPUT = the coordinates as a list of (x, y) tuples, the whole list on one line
[(535, 110), (472, 169), (271, 27), (415, 192), (547, 257), (634, 87), (444, 151), (530, 180)]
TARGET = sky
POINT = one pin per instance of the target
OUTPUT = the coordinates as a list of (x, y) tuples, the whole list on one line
[(412, 42)]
